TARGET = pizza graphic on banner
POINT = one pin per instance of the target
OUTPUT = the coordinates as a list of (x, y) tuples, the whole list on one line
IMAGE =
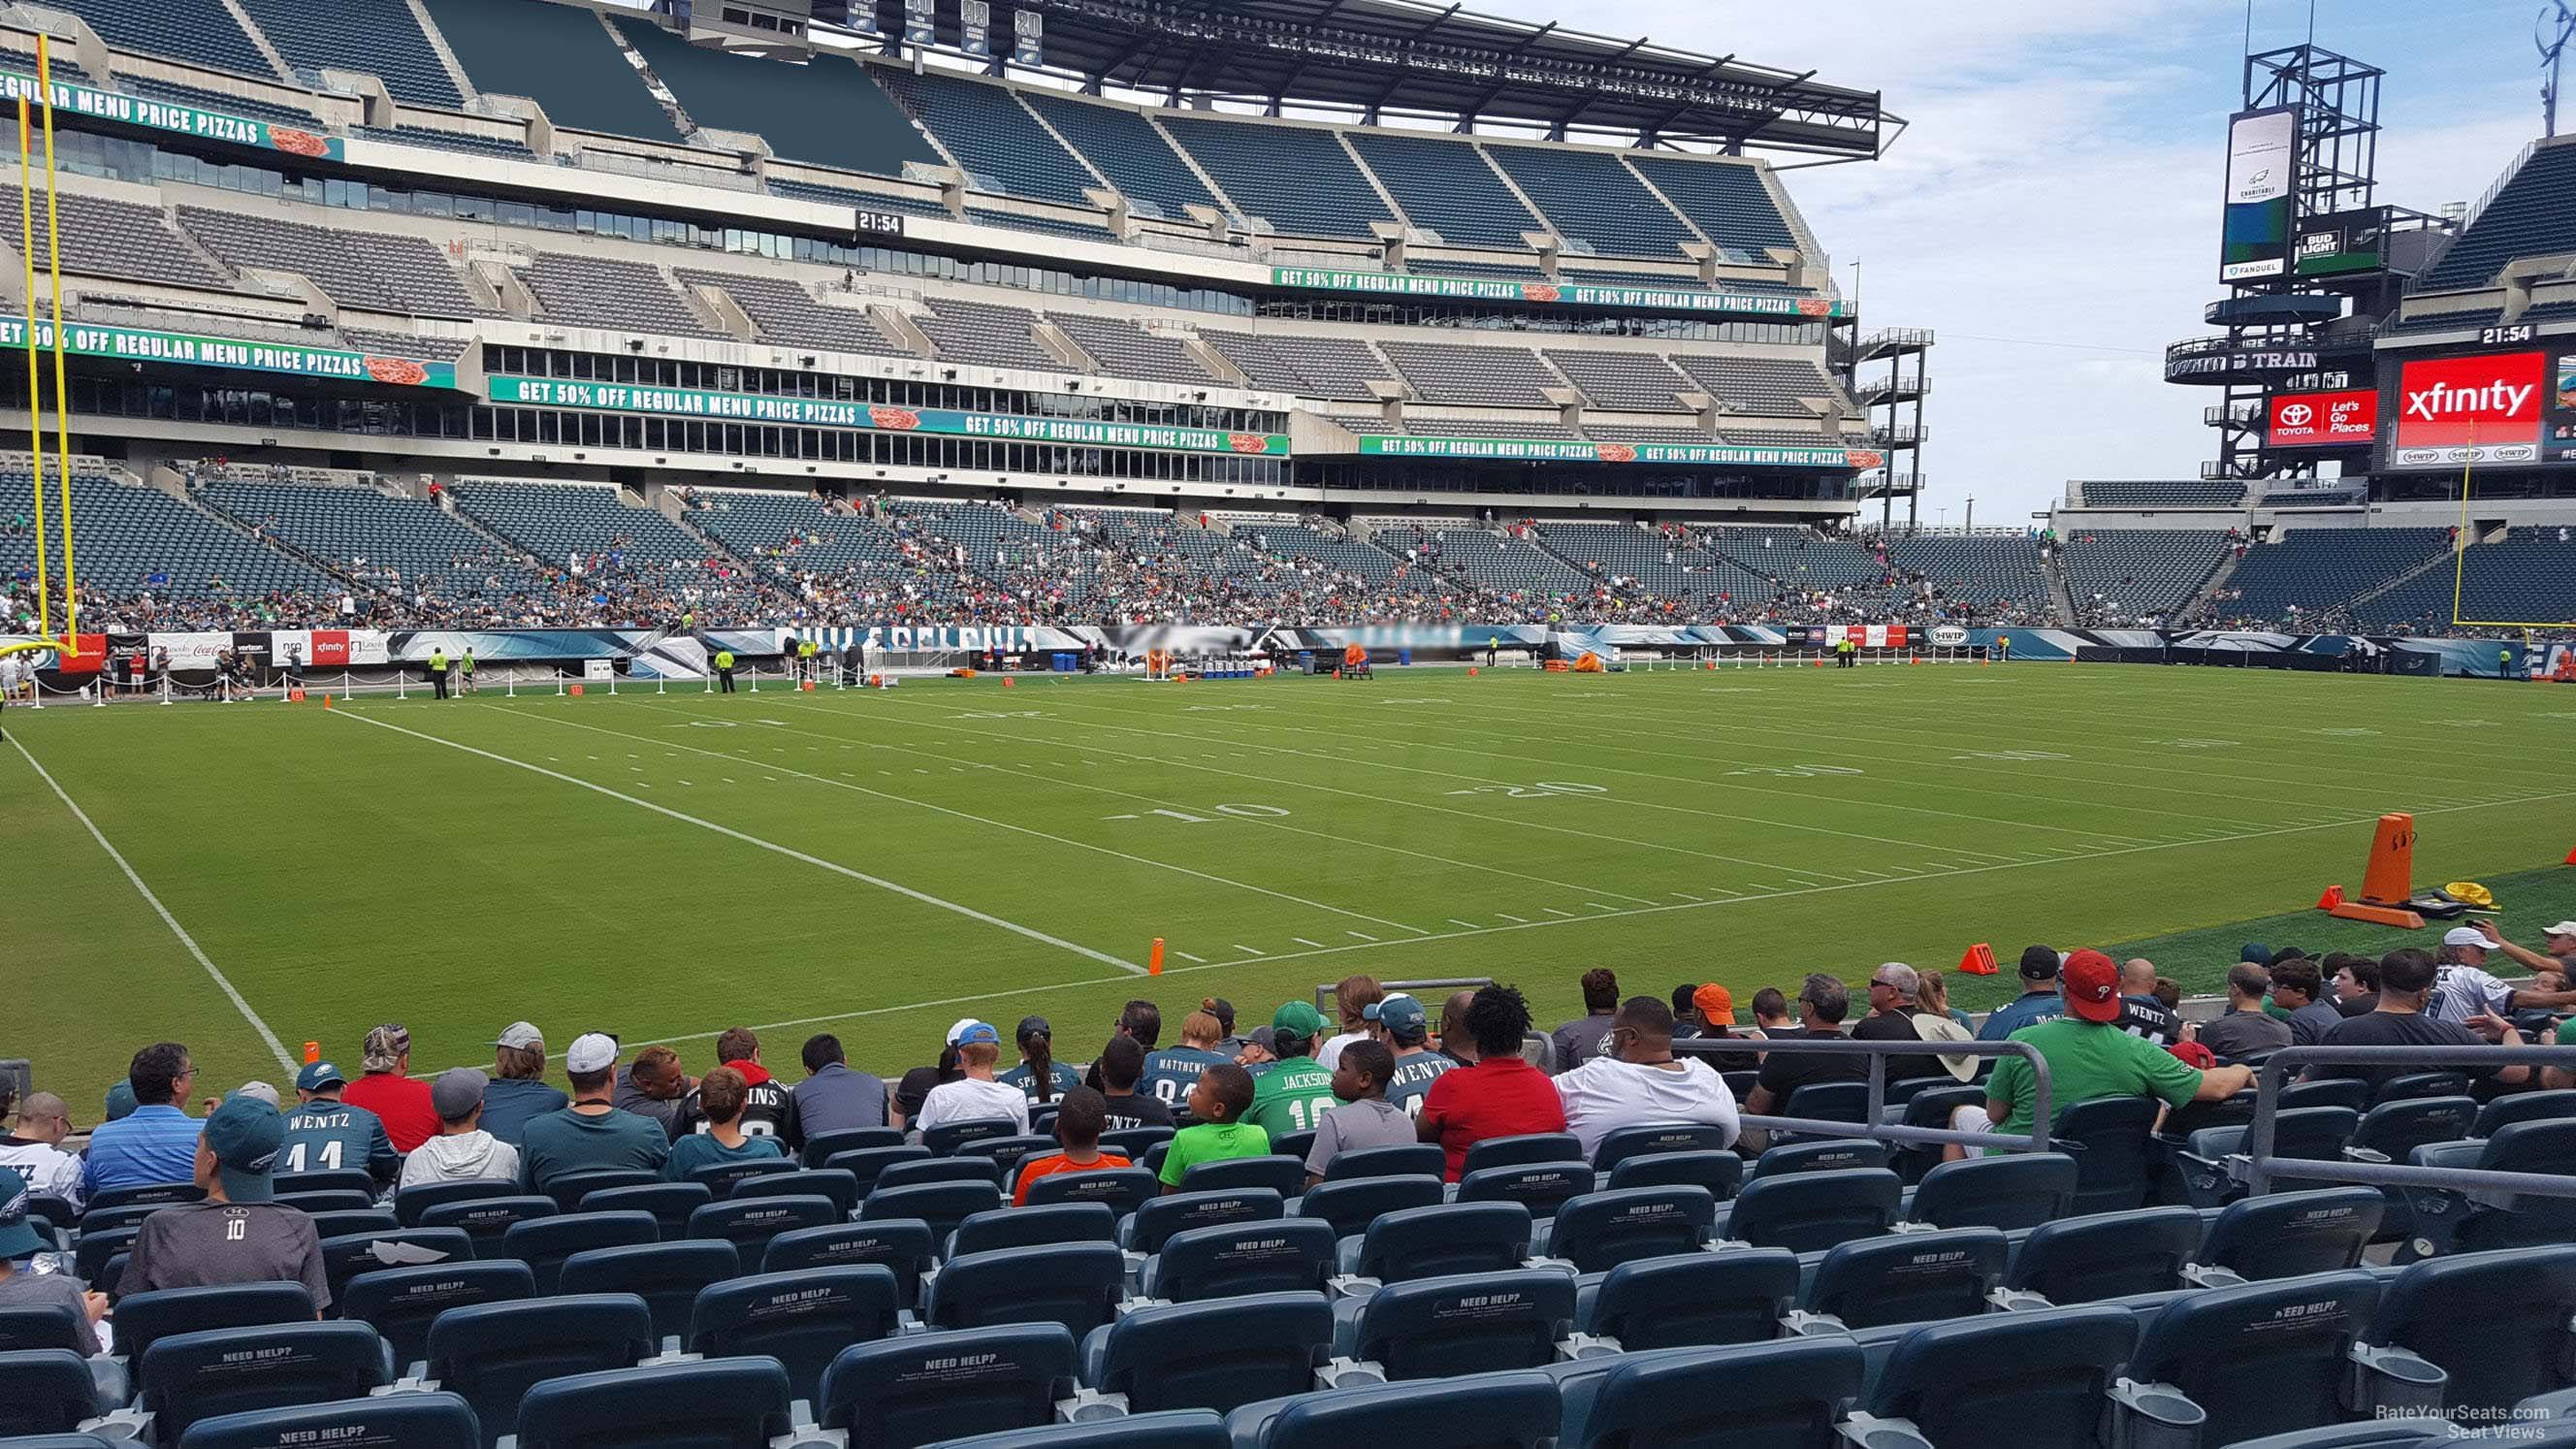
[(899, 419), (1248, 442), (1539, 292), (400, 371), (301, 143), (1615, 453)]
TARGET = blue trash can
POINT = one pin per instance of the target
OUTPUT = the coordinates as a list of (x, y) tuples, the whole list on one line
[(1404, 656)]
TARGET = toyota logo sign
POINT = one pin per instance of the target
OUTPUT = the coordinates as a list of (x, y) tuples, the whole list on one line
[(2297, 415)]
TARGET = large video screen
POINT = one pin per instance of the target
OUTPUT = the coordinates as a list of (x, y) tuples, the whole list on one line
[(2491, 408), (2262, 153)]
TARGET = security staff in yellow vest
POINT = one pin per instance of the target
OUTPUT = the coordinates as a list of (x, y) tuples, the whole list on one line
[(1847, 654), (804, 659), (724, 670), (438, 671)]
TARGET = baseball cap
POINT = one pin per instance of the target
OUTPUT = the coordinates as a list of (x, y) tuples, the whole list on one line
[(1032, 1026), (1401, 1015), (1298, 1019), (457, 1091), (2467, 936), (1716, 1004), (2563, 928), (120, 1101), (1223, 1011), (972, 1032), (520, 1035), (2040, 963), (957, 1029), (260, 1090), (2093, 986), (592, 1051), (317, 1075), (385, 1048), (2256, 952), (18, 1237), (244, 1134), (2193, 1054)]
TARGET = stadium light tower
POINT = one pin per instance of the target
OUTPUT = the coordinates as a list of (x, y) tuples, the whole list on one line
[(2551, 32)]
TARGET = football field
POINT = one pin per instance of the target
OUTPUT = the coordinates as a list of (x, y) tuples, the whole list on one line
[(881, 863)]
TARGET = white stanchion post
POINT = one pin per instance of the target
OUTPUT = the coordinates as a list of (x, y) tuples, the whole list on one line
[(165, 686), (657, 681), (755, 679), (402, 683), (97, 695), (612, 681), (345, 686), (559, 680), (510, 685)]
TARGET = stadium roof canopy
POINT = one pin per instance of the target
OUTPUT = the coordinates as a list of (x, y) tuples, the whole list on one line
[(1416, 59)]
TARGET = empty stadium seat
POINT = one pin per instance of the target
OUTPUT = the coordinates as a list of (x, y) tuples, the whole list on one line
[(143, 1319), (2449, 1221), (1028, 1227), (1621, 1143), (2107, 1137), (1601, 1230), (720, 1179), (46, 1391), (190, 1376), (544, 1243), (1076, 1284), (668, 1203), (2317, 1134), (493, 1353), (1831, 1154), (902, 1245), (823, 1146), (1721, 1173), (1351, 1204), (1435, 1241), (867, 1164), (334, 1200), (485, 1220), (1810, 1211), (346, 1256), (2515, 1107), (1462, 1323), (2019, 1191), (2288, 1234), (1218, 1355), (395, 1421), (1542, 1187), (1908, 1278), (1285, 1176), (802, 1318), (841, 1187), (411, 1202), (749, 1223), (927, 1387), (2497, 1323), (732, 1403), (1691, 1299), (2109, 1255), (1230, 1259), (935, 1170), (401, 1303), (2021, 1379), (2261, 1359), (665, 1277), (1159, 1218)]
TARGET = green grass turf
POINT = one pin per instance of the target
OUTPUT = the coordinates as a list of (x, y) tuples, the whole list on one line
[(792, 861)]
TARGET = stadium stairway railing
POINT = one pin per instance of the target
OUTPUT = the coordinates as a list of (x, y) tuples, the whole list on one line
[(2258, 1166), (1871, 1126)]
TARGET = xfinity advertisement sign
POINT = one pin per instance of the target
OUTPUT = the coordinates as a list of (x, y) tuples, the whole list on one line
[(2323, 419), (2455, 411)]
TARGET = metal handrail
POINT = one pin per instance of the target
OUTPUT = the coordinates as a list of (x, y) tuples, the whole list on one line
[(1324, 989), (1878, 1052), (2261, 1166)]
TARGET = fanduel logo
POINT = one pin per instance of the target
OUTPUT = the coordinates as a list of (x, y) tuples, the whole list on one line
[(2491, 399)]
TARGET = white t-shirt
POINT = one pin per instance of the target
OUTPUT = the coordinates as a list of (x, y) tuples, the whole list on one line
[(48, 1169), (2461, 992), (1605, 1094), (1330, 1053), (967, 1099)]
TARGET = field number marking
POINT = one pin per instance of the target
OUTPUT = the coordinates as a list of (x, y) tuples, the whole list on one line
[(1800, 772), (1001, 714), (1540, 790), (2194, 744), (1211, 708), (1239, 812), (2012, 755)]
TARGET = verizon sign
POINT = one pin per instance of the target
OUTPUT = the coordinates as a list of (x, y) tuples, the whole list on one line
[(2323, 419), (2459, 410)]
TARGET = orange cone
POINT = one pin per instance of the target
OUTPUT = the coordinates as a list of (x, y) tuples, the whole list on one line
[(326, 701), (1006, 684), (2571, 857), (1979, 961), (2331, 899), (576, 691), (1471, 671), (1154, 961)]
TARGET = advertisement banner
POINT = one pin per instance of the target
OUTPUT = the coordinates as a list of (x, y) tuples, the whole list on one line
[(2322, 419), (2262, 154), (193, 650), (1680, 297), (2480, 409), (82, 101), (134, 344), (2345, 241), (1570, 450), (328, 648), (735, 407)]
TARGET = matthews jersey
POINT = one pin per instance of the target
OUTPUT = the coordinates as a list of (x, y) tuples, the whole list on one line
[(330, 1136), (1413, 1078), (1171, 1072)]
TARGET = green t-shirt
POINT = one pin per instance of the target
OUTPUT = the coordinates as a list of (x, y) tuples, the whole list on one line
[(2567, 1032), (1211, 1142), (1291, 1097), (2086, 1061)]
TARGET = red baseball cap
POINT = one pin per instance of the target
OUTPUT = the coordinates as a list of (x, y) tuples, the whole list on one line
[(2092, 985)]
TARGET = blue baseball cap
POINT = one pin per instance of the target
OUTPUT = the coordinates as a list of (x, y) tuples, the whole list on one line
[(120, 1100), (245, 1134), (978, 1031), (18, 1237), (1401, 1015), (317, 1075)]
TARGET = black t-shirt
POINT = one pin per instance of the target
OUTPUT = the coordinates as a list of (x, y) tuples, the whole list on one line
[(2147, 1017), (2393, 1028), (1898, 1025), (1783, 1073), (1131, 1109), (2362, 1005)]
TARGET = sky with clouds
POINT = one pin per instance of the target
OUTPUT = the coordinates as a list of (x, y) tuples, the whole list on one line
[(2052, 212)]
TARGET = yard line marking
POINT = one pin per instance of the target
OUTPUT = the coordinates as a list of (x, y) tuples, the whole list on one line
[(1186, 956), (276, 1048), (1470, 925), (1041, 835), (880, 882), (1356, 841), (1553, 911), (1363, 935), (1596, 905), (1302, 941), (1248, 951), (1524, 920)]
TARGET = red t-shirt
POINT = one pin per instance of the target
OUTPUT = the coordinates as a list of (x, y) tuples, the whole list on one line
[(1055, 1162), (401, 1101), (1497, 1097)]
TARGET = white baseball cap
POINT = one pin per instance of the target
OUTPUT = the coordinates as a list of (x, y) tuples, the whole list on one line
[(2467, 936), (591, 1052), (2563, 928)]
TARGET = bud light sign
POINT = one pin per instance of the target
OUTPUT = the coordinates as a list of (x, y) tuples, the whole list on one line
[(2323, 419), (2452, 411)]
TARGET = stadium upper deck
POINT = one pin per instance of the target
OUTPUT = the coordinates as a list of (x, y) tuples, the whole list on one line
[(995, 260)]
